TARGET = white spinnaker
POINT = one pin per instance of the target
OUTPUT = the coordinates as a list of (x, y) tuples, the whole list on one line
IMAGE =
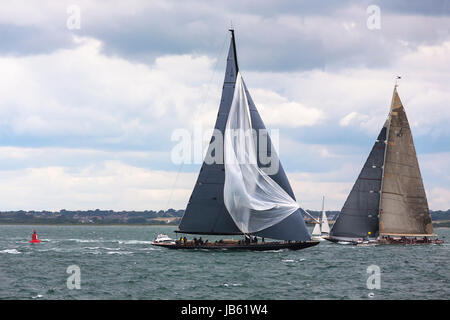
[(253, 199)]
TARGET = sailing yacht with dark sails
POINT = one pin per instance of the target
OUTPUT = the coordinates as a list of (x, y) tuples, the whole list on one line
[(388, 204), (239, 195)]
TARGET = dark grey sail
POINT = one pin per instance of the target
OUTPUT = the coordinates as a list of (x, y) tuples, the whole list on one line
[(358, 218), (404, 207), (206, 212)]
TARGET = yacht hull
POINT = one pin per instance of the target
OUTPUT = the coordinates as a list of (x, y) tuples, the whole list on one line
[(263, 246), (383, 241)]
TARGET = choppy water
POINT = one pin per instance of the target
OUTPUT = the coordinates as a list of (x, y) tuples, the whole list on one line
[(118, 262)]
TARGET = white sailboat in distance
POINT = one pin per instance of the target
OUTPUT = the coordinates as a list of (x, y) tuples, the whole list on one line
[(322, 228)]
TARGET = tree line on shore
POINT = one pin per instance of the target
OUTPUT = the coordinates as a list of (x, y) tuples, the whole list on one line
[(169, 217)]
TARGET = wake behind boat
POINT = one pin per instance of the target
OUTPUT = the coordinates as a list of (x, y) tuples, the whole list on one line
[(238, 192)]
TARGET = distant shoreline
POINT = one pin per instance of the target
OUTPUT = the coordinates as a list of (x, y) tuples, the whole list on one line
[(169, 217)]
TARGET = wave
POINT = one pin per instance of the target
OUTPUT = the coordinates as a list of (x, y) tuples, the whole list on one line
[(119, 252), (12, 251), (135, 242), (104, 241), (292, 260), (101, 248), (233, 284), (83, 240), (149, 249)]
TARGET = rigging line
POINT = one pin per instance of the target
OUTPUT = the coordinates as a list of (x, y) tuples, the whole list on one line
[(173, 186), (310, 215), (201, 107)]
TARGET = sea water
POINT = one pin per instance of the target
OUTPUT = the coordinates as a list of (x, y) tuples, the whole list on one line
[(119, 262)]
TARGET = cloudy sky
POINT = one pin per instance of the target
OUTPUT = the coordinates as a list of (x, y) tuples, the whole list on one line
[(88, 105)]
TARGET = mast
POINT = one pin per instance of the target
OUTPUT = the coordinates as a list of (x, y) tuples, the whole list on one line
[(323, 208), (234, 45), (387, 125)]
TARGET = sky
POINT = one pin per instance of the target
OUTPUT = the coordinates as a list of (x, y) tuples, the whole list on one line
[(92, 91)]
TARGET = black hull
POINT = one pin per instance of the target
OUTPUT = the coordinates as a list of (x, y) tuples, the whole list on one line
[(248, 247)]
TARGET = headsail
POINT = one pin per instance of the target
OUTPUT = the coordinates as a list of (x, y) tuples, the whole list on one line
[(316, 231), (206, 212), (324, 226), (404, 207), (359, 216)]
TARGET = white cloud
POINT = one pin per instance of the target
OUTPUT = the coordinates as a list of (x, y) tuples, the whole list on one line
[(83, 92), (439, 198), (362, 96), (89, 95), (352, 118), (110, 185), (309, 187), (278, 111), (38, 157)]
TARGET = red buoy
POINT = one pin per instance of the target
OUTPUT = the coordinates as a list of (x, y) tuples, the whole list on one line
[(34, 238)]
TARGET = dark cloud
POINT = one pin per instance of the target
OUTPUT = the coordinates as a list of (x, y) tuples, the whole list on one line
[(271, 35), (432, 7)]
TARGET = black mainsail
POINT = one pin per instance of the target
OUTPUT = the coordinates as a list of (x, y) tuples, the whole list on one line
[(206, 212), (388, 198), (359, 215)]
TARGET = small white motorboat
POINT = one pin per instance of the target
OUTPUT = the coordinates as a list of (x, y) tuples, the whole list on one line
[(163, 239)]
